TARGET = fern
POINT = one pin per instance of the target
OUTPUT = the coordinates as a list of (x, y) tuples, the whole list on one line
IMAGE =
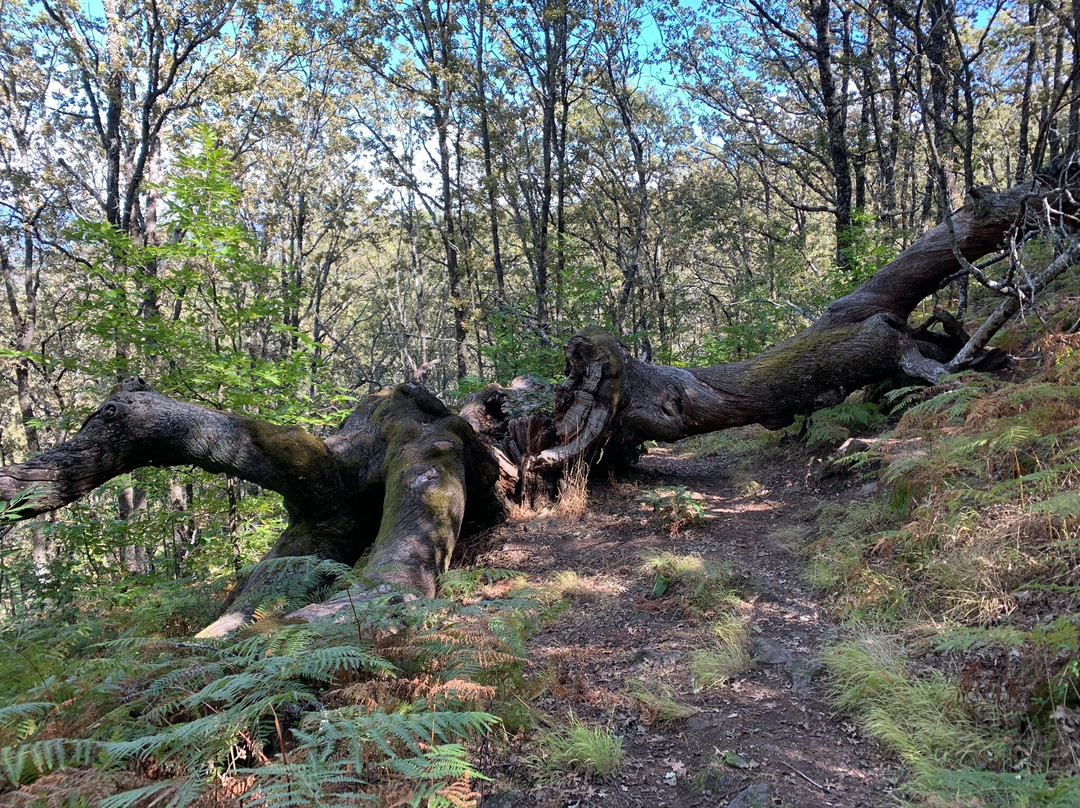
[(902, 399), (190, 711), (17, 763), (1065, 505), (354, 727), (462, 583), (19, 721), (305, 784), (954, 403)]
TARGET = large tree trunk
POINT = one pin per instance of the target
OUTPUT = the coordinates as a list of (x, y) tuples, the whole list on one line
[(398, 481), (404, 478), (610, 402)]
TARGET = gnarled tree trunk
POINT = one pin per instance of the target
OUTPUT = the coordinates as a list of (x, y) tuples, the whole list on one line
[(397, 481), (404, 478), (611, 402)]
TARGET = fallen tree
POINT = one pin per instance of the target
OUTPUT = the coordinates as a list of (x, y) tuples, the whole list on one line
[(404, 478)]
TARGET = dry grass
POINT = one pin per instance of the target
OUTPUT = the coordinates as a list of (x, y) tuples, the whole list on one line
[(571, 585), (658, 703), (791, 539), (573, 499)]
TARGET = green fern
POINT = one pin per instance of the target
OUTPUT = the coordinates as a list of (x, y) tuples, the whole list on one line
[(219, 708), (902, 399), (20, 720), (954, 403), (178, 791), (1065, 505), (463, 583), (23, 762)]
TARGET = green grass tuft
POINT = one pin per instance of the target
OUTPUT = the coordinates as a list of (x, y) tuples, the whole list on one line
[(588, 750), (726, 655), (659, 702), (924, 720), (705, 586)]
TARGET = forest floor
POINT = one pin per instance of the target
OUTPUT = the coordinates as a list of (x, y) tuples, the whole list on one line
[(768, 736)]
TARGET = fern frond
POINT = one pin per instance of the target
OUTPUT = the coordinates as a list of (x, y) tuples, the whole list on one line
[(176, 792), (954, 403), (325, 664), (439, 763), (350, 725), (902, 399), (17, 763), (20, 721)]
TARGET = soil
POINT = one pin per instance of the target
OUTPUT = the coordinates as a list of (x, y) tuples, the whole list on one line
[(791, 747)]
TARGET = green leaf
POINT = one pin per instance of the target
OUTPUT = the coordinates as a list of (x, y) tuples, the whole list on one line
[(734, 759)]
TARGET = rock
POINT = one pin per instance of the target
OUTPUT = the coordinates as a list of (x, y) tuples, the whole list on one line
[(802, 673), (759, 795), (716, 779), (765, 589), (833, 465), (767, 652), (849, 447), (703, 722)]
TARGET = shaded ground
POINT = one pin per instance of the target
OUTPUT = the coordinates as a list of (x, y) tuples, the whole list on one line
[(798, 751)]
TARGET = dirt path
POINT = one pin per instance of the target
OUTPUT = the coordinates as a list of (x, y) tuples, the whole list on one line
[(790, 747)]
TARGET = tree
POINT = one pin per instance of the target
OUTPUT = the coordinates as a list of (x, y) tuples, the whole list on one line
[(431, 474), (419, 60)]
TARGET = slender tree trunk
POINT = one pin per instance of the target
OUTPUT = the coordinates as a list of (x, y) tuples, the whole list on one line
[(113, 110), (485, 143), (835, 108), (1023, 148)]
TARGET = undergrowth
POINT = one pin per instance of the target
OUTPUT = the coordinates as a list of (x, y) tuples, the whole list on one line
[(386, 707), (971, 553), (675, 507), (706, 587), (590, 750), (827, 429)]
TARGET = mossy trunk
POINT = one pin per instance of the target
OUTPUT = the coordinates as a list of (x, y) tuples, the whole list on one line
[(396, 483)]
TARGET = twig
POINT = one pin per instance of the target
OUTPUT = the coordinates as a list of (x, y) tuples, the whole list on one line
[(804, 777), (280, 736), (485, 748)]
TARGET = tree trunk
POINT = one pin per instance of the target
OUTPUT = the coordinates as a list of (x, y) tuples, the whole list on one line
[(835, 110), (404, 478)]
